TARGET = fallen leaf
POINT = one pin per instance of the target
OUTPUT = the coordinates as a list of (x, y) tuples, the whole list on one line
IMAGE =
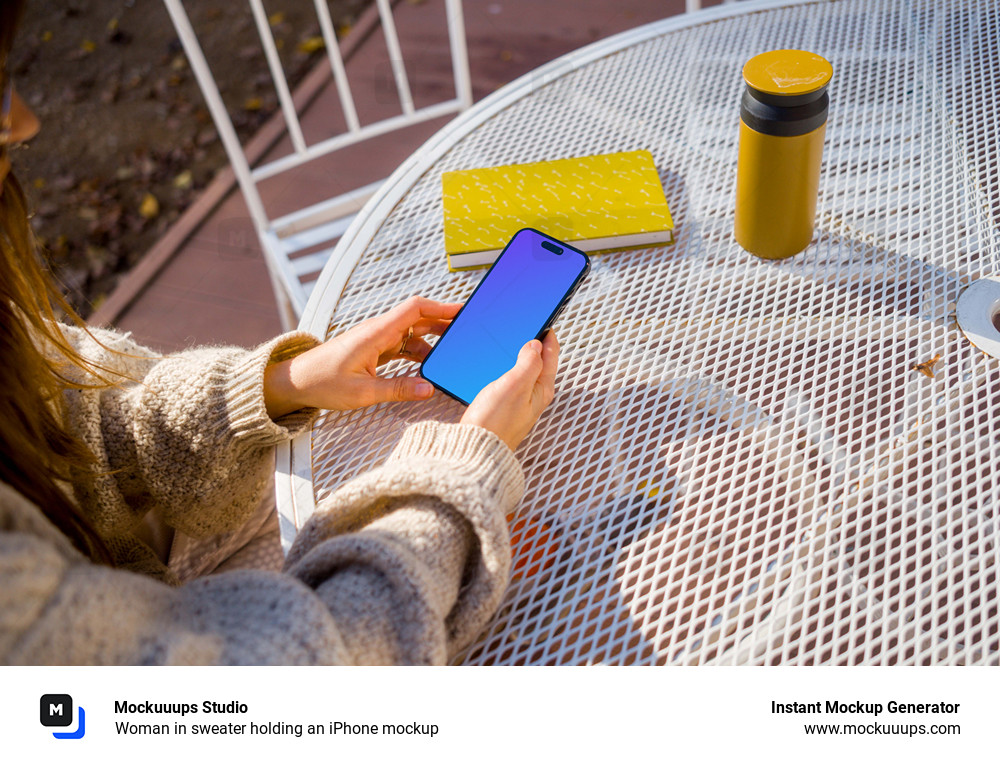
[(46, 36), (183, 180), (311, 45), (89, 46), (927, 368), (252, 104), (150, 207)]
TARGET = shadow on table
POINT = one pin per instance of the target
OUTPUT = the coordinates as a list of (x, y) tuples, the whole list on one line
[(599, 489), (668, 503)]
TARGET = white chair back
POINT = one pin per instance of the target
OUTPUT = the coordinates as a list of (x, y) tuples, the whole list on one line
[(293, 243)]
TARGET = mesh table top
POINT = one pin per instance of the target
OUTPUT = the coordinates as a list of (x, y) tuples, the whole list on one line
[(742, 463)]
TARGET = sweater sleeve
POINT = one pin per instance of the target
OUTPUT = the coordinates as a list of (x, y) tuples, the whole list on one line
[(403, 564), (415, 555), (187, 433), (56, 607)]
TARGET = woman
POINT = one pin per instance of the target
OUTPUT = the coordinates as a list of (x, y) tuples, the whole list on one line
[(125, 476)]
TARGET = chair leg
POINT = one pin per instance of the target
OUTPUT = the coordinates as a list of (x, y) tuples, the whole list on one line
[(286, 309), (287, 314), (289, 319)]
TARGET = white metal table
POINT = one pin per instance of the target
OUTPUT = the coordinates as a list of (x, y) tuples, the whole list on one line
[(745, 462)]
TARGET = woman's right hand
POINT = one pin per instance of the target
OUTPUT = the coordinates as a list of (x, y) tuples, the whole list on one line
[(511, 405)]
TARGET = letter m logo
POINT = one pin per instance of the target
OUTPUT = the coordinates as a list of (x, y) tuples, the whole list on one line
[(56, 710)]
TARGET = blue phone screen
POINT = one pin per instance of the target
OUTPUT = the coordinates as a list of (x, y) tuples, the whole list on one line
[(512, 304)]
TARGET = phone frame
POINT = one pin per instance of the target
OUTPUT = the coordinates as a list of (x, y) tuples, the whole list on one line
[(545, 326)]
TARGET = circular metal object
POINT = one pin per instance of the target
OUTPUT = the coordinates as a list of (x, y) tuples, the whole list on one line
[(977, 311)]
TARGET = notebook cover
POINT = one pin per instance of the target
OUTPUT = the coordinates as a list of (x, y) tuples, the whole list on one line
[(600, 197)]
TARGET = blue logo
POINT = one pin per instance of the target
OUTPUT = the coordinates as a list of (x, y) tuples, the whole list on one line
[(57, 710)]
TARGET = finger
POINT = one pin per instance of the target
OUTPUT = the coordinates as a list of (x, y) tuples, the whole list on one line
[(546, 383), (402, 389), (412, 310), (550, 353), (413, 349), (416, 350), (431, 309), (431, 326), (525, 371), (412, 346), (529, 363), (390, 328), (530, 351)]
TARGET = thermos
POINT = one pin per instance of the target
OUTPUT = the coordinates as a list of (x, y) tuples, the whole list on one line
[(782, 127)]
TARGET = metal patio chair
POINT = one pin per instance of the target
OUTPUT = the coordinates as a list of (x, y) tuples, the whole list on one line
[(297, 245)]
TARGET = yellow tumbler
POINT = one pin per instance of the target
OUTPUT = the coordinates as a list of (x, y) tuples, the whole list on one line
[(782, 128)]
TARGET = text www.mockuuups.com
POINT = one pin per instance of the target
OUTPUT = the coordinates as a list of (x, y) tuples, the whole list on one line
[(897, 729), (869, 712)]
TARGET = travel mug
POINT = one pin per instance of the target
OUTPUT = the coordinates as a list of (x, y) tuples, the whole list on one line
[(782, 127)]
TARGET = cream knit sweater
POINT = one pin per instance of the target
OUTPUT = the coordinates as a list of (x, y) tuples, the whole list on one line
[(403, 564)]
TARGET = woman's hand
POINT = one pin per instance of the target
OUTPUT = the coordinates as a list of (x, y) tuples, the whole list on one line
[(510, 406), (340, 374)]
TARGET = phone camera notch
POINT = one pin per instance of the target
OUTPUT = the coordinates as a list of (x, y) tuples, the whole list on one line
[(552, 248)]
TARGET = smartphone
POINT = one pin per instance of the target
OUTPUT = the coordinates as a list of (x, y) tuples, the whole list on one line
[(519, 298)]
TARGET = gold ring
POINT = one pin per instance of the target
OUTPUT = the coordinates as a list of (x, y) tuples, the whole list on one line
[(402, 347)]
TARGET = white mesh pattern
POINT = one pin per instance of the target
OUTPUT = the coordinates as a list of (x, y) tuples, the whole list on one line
[(741, 464)]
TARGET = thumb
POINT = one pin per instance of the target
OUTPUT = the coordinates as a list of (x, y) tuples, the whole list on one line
[(529, 360), (403, 389)]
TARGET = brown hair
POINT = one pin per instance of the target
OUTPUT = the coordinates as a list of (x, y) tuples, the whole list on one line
[(37, 452)]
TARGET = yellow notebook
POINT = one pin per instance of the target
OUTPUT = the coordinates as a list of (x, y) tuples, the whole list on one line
[(601, 202)]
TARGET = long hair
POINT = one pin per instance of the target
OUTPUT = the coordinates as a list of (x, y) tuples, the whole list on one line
[(37, 452)]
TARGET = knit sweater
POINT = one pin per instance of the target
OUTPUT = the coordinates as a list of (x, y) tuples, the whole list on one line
[(403, 564)]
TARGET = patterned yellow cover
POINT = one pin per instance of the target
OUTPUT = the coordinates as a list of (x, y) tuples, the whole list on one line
[(601, 202)]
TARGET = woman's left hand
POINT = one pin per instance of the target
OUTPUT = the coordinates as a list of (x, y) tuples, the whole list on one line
[(341, 373)]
